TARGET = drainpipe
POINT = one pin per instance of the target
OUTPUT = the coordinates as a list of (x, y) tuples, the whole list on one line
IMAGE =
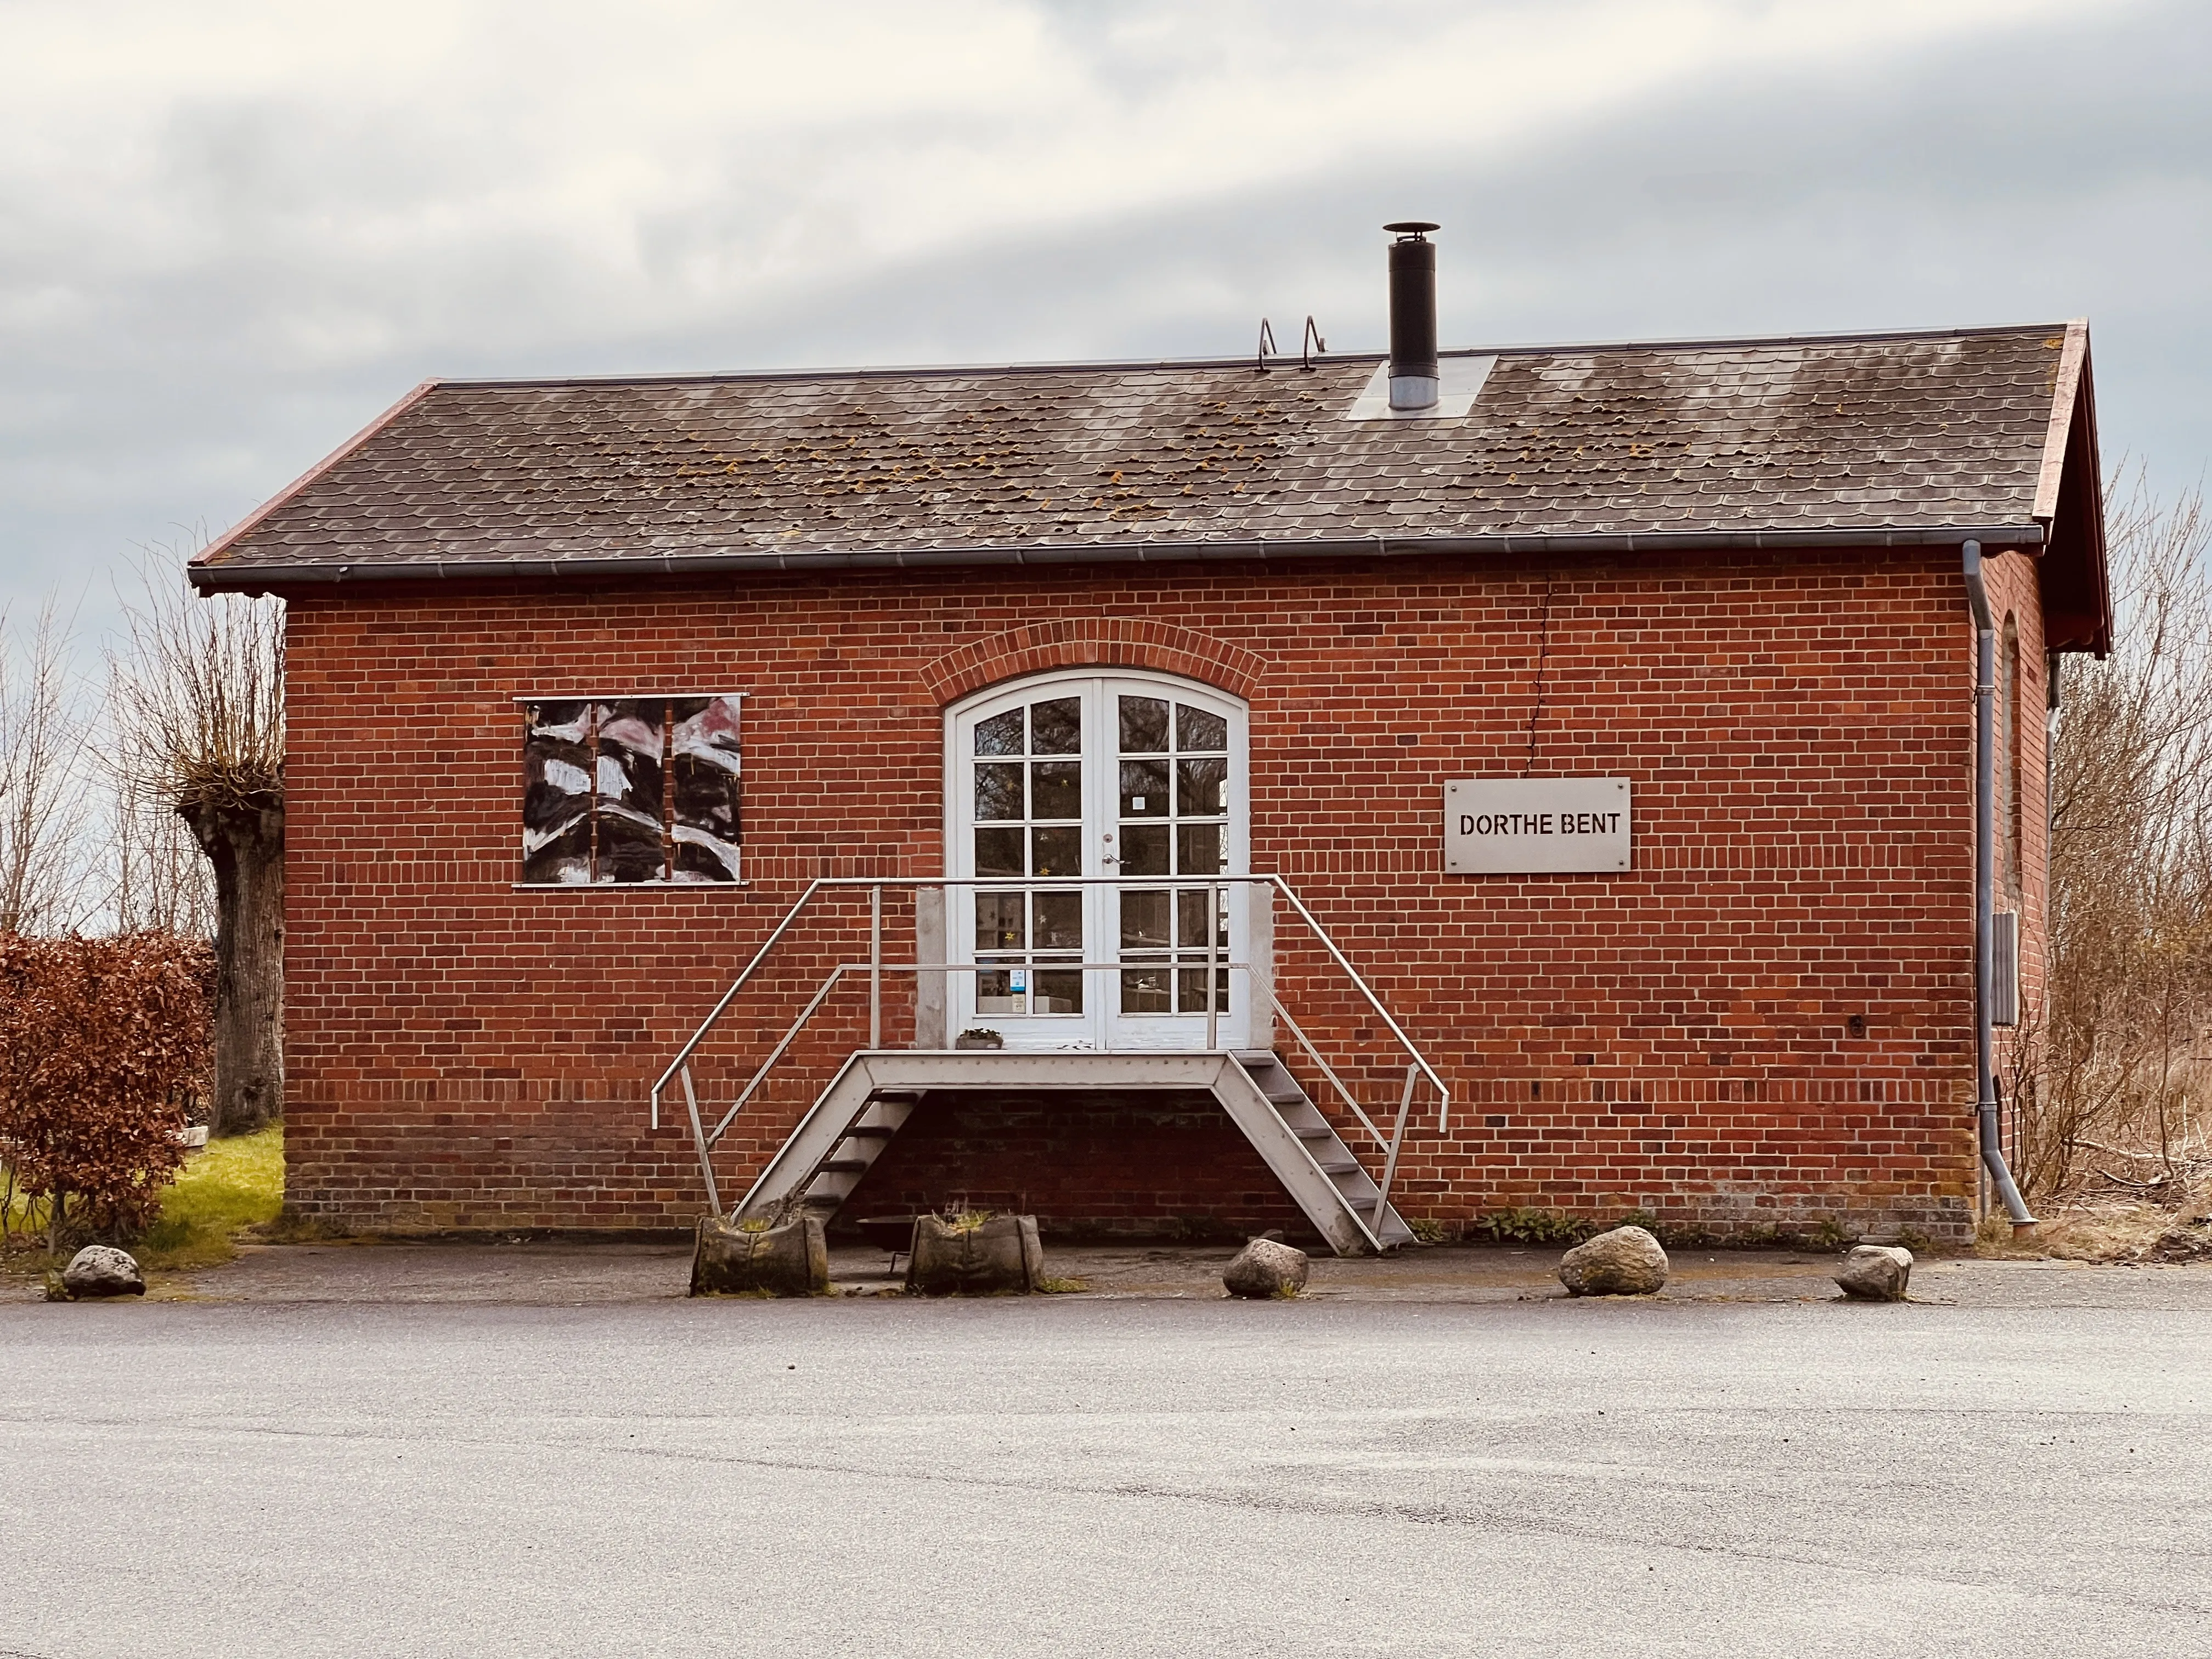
[(1985, 789)]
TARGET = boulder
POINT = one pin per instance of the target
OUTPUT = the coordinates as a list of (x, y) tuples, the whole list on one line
[(1876, 1273), (1266, 1268), (730, 1259), (102, 1270), (1626, 1261), (1001, 1256)]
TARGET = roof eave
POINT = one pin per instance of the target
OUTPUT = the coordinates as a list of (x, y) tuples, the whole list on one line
[(282, 578), (2070, 501)]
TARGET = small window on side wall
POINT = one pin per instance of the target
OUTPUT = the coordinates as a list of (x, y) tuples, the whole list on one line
[(630, 790)]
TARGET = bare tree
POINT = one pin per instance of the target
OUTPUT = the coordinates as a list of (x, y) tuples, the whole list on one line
[(160, 881), (41, 736), (2111, 1060), (197, 699)]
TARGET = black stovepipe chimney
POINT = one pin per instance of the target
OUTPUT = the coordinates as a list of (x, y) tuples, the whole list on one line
[(1412, 315)]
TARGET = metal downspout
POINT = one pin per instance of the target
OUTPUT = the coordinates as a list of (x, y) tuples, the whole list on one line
[(1985, 674)]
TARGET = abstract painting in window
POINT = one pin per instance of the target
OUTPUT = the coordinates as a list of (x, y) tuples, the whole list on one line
[(630, 790)]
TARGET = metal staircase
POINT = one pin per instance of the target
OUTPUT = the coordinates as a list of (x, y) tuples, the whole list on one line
[(841, 1137), (876, 1088), (876, 1092), (1352, 1192)]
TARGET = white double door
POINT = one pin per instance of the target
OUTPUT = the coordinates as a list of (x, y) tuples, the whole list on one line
[(1131, 777)]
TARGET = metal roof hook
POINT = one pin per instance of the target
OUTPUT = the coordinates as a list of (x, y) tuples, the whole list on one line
[(1266, 345), (1312, 343)]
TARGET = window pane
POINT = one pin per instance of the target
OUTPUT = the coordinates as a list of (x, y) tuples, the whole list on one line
[(995, 993), (629, 737), (999, 922), (1056, 789), (559, 852), (1144, 849), (1057, 727), (1143, 726), (1144, 789), (1144, 921), (1199, 732), (1198, 787), (1056, 852), (997, 791), (627, 747), (630, 848), (1198, 849), (1190, 990), (1190, 920), (1145, 991), (1058, 919), (556, 773), (703, 773), (1057, 994), (1001, 734), (998, 853)]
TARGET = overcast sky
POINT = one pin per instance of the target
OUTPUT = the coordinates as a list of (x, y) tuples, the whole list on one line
[(231, 233)]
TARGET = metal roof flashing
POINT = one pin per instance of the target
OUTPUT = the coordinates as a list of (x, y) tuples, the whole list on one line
[(1459, 383)]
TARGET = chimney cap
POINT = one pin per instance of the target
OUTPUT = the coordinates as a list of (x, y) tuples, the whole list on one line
[(1412, 227)]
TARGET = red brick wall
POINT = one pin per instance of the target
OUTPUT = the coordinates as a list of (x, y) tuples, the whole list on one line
[(1161, 1164), (1678, 1039)]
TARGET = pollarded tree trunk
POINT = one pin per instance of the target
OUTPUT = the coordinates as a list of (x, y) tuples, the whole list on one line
[(246, 844)]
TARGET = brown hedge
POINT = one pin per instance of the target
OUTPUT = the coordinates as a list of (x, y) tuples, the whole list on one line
[(102, 1044)]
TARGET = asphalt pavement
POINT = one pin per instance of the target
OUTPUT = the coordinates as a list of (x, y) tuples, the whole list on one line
[(2015, 1465)]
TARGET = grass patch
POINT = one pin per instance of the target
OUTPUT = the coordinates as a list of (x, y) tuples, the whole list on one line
[(22, 1215), (2113, 1230), (224, 1188), (1063, 1286)]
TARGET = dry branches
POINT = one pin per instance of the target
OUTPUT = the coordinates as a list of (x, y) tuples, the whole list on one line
[(41, 873), (2111, 1060), (198, 695)]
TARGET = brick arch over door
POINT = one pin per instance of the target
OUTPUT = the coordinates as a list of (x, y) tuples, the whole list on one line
[(1093, 642)]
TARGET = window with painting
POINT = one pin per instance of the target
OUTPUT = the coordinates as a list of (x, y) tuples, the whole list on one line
[(630, 791)]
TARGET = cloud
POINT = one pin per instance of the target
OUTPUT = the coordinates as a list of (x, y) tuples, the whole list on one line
[(230, 233)]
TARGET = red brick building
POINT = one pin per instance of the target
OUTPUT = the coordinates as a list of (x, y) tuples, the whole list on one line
[(589, 680)]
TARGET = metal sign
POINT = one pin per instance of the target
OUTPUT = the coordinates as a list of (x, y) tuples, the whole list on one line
[(1530, 826)]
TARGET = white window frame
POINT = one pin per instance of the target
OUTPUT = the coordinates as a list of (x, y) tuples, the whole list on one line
[(1102, 1025)]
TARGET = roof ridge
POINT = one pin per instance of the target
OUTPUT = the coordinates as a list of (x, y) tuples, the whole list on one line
[(1278, 364)]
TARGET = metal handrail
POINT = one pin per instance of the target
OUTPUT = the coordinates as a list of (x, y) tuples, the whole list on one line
[(1024, 884), (875, 967), (875, 970)]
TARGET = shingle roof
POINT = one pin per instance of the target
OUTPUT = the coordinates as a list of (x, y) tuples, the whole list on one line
[(1884, 438)]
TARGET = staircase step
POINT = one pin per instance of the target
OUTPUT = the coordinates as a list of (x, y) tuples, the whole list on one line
[(843, 1166), (1353, 1187), (870, 1132)]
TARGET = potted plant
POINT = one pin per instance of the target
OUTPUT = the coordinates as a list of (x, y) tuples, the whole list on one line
[(979, 1036), (975, 1252), (785, 1253)]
